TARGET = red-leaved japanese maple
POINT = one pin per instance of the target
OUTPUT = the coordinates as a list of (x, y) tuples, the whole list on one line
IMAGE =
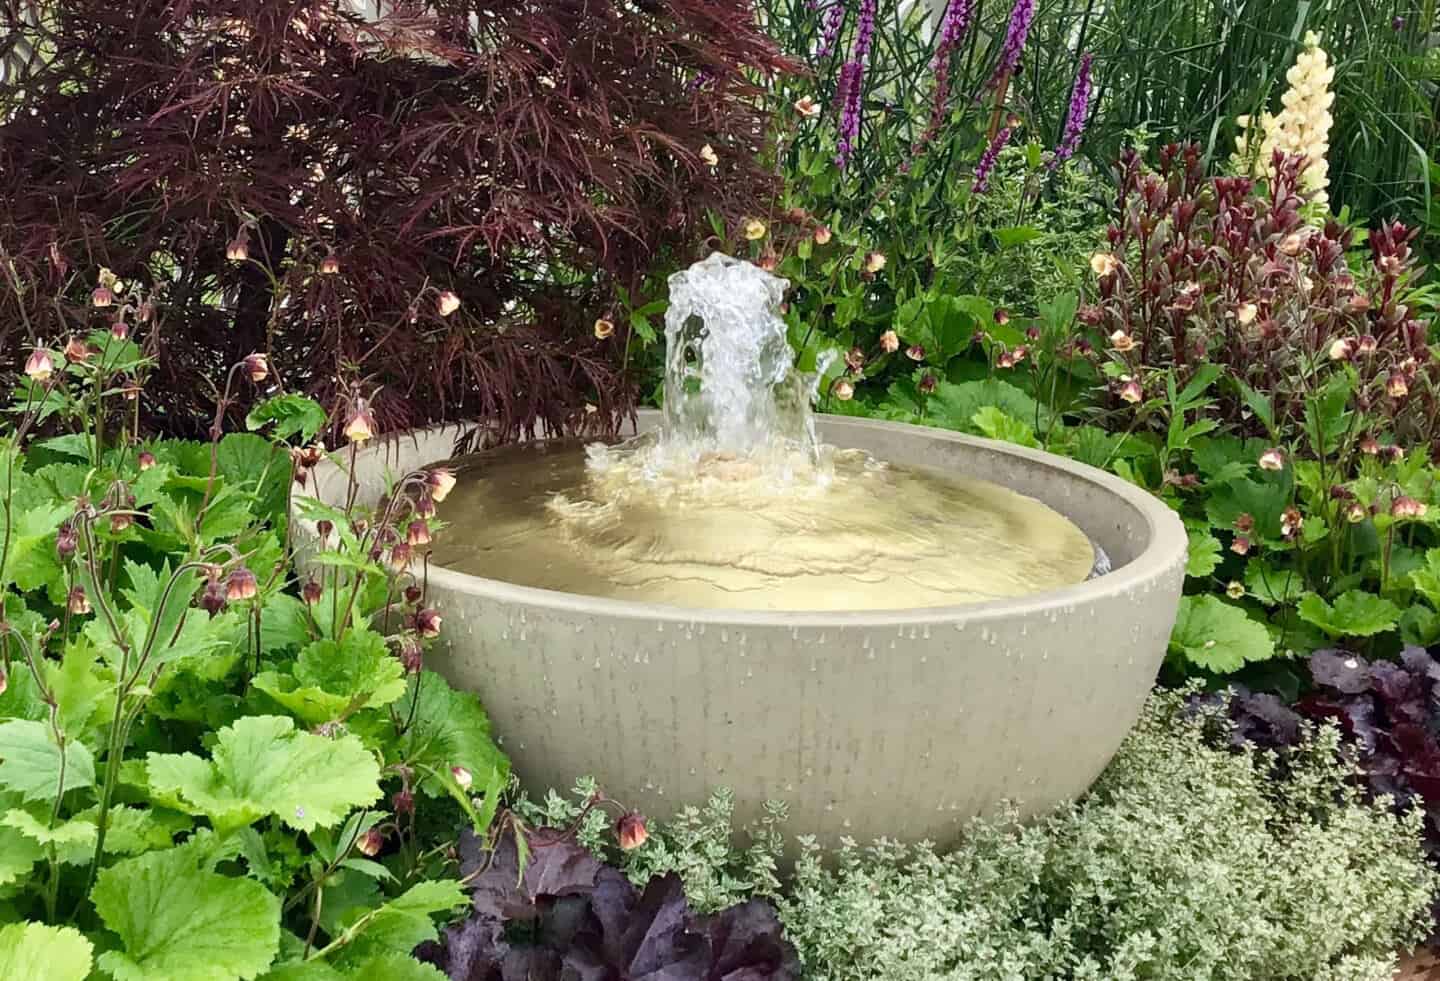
[(323, 184)]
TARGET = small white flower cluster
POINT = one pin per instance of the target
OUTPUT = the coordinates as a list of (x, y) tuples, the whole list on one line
[(1302, 127)]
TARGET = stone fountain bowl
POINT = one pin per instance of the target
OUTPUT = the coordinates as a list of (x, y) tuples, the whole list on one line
[(902, 723)]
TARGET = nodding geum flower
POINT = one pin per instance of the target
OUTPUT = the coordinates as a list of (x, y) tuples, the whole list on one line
[(1272, 459), (604, 329), (361, 425), (39, 366), (258, 367), (630, 831), (447, 303), (440, 481), (843, 390), (241, 585), (1407, 507), (890, 342)]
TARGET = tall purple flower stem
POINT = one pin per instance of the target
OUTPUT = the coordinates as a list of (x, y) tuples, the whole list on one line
[(987, 161), (1079, 112), (958, 16), (852, 83), (830, 30), (1015, 34)]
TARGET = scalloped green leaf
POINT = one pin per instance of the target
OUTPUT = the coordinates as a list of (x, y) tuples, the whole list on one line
[(1216, 636), (37, 950), (1355, 613), (1203, 556), (30, 762), (178, 920), (262, 766)]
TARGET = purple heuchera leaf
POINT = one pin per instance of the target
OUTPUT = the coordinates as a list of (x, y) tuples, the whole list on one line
[(586, 922), (1341, 671)]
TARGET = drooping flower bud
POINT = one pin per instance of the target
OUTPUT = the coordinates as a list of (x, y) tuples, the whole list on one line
[(402, 802), (1122, 342), (1235, 590), (370, 843), (915, 352), (1002, 316), (843, 390), (855, 359), (401, 555), (1131, 391), (440, 481), (1366, 345), (77, 602), (102, 297), (418, 533), (807, 107), (1241, 545), (239, 248), (1340, 349), (212, 597), (890, 342), (77, 350), (361, 425), (120, 521), (755, 230), (1407, 507), (145, 460), (1355, 512), (874, 262), (927, 384), (823, 235), (120, 330), (411, 653), (1272, 459), (1397, 386), (311, 592), (324, 528), (708, 154), (447, 303), (462, 777), (1246, 314), (427, 623), (66, 541), (413, 594), (258, 367), (1291, 522), (241, 585), (1245, 523), (330, 265), (39, 366), (630, 831), (604, 329)]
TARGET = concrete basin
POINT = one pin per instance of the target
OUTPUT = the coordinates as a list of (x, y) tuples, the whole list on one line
[(902, 723)]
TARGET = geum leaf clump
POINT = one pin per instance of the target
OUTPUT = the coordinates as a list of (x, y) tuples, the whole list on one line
[(556, 913)]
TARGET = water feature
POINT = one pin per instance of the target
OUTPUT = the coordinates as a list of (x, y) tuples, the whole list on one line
[(735, 503)]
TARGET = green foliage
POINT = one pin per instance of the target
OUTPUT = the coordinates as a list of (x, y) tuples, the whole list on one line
[(204, 777), (1186, 862)]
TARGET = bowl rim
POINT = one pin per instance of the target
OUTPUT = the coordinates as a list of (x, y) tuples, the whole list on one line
[(1164, 552)]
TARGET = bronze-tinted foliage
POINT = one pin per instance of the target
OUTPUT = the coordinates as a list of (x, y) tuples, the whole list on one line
[(528, 155)]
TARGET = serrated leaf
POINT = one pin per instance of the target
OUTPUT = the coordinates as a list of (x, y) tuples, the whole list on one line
[(1274, 587), (18, 855), (954, 404), (1217, 636), (136, 830), (75, 834), (450, 729), (994, 423), (332, 681), (179, 921), (1203, 556), (261, 767), (1355, 613), (35, 951), (289, 415), (1426, 579), (30, 762), (403, 923)]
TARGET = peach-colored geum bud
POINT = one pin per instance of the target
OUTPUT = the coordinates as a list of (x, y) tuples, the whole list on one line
[(630, 831)]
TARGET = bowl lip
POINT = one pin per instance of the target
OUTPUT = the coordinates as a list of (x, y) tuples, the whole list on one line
[(1167, 547)]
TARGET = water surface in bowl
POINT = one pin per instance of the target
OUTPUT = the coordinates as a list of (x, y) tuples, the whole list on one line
[(873, 536)]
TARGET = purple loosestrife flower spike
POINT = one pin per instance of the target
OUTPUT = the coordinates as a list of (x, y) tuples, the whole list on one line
[(852, 83), (830, 32), (1079, 111), (987, 161), (1020, 17), (958, 15)]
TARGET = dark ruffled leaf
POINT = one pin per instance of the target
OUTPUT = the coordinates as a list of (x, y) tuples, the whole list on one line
[(1405, 696), (569, 918), (1419, 662), (556, 867), (1340, 670), (747, 944), (1264, 719)]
